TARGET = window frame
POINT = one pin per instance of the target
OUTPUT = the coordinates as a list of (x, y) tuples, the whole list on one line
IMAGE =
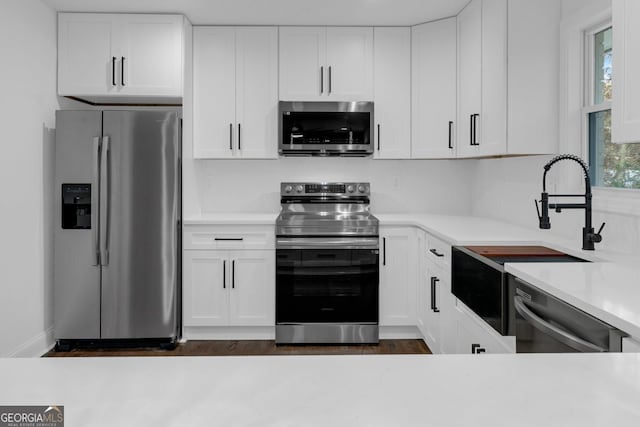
[(573, 130)]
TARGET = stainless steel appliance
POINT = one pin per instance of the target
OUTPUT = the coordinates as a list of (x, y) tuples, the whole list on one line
[(543, 323), (478, 278), (325, 128), (117, 227), (327, 261)]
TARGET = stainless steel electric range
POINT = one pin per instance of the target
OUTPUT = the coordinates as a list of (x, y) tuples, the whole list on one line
[(327, 258)]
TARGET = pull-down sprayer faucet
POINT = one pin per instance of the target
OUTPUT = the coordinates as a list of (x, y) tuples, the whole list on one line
[(588, 235)]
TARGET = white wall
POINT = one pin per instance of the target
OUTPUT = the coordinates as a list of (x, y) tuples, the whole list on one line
[(27, 107), (397, 186)]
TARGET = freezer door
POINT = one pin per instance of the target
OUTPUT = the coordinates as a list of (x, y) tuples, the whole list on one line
[(76, 294), (140, 207)]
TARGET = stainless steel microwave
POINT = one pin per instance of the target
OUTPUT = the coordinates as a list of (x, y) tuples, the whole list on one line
[(325, 128)]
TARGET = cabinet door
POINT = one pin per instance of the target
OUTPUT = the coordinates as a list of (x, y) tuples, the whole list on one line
[(85, 53), (492, 124), (625, 119), (434, 284), (392, 92), (151, 55), (214, 96), (257, 92), (252, 301), (469, 24), (398, 277), (434, 89), (350, 63), (302, 70), (205, 288)]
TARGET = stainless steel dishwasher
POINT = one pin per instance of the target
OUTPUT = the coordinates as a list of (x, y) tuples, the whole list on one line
[(543, 323)]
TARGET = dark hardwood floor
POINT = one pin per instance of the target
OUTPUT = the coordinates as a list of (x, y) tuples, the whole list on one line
[(252, 348)]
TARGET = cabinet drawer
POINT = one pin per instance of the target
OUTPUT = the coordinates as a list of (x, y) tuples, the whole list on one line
[(207, 237), (475, 332), (439, 252)]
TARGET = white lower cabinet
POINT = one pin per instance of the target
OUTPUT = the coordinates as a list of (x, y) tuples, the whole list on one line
[(398, 269), (229, 288), (475, 336)]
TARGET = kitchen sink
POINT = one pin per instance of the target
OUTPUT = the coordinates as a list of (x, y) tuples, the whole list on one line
[(504, 254)]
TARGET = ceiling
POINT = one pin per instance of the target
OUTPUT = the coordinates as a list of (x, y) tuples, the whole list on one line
[(278, 12)]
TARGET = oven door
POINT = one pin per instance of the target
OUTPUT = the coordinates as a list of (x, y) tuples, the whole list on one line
[(338, 286)]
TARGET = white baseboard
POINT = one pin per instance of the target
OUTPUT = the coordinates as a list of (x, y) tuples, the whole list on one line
[(36, 346), (399, 332), (229, 333)]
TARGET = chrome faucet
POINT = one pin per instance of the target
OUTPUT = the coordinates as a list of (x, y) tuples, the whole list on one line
[(589, 238)]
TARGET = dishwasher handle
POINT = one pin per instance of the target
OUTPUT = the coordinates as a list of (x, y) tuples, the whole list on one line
[(564, 337)]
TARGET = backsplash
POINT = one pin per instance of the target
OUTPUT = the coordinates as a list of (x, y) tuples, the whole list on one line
[(397, 186)]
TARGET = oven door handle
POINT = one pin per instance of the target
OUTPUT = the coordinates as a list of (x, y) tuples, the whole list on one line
[(564, 337), (327, 243)]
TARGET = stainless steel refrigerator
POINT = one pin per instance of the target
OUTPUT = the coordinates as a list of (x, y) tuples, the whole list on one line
[(117, 227)]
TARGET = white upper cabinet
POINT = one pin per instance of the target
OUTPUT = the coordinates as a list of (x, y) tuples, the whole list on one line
[(326, 63), (129, 56), (151, 56), (235, 92), (625, 112), (508, 79), (433, 77), (482, 83), (392, 92)]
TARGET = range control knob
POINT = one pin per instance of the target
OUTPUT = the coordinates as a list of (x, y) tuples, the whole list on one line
[(288, 189), (299, 188), (351, 188), (362, 188)]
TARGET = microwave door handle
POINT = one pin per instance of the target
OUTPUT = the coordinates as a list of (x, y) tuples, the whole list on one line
[(95, 200), (564, 337)]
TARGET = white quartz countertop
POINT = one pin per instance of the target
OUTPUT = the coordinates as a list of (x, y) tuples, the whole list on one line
[(417, 390)]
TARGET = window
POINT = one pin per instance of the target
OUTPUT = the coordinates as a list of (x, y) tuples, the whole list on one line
[(611, 165)]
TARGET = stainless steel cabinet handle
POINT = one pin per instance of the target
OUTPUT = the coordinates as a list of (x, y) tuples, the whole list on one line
[(329, 80), (239, 138), (113, 70), (450, 135), (233, 274), (321, 80), (543, 326), (436, 253), (105, 200), (230, 136), (378, 136), (122, 71), (95, 200), (434, 280)]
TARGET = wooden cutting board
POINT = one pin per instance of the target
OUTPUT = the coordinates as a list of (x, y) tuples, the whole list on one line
[(506, 251)]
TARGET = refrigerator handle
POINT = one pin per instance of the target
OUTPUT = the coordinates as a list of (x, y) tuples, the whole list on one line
[(105, 199), (95, 200)]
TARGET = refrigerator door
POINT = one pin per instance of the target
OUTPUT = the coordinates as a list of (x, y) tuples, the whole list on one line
[(140, 208), (76, 295)]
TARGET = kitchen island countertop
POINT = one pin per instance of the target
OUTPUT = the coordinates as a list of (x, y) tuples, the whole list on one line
[(417, 390)]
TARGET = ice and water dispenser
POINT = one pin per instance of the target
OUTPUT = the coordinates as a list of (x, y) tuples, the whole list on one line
[(76, 206)]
